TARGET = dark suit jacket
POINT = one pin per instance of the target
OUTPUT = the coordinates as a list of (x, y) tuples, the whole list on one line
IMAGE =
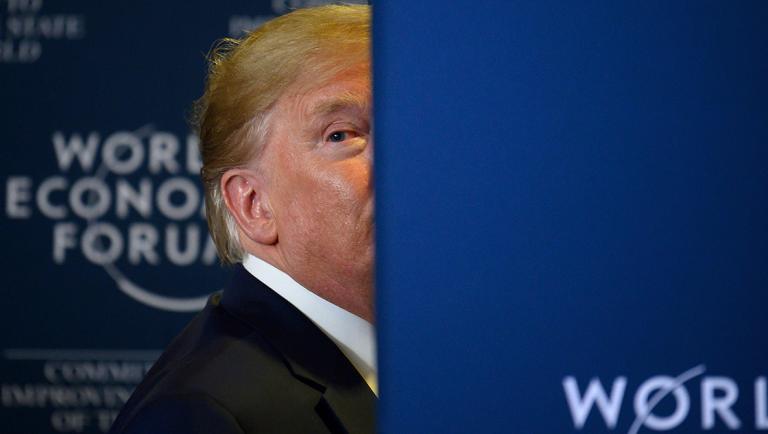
[(250, 362)]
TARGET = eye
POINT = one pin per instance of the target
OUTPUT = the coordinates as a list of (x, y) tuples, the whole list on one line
[(338, 136)]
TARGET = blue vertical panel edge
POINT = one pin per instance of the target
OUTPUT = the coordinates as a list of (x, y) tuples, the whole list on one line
[(572, 215)]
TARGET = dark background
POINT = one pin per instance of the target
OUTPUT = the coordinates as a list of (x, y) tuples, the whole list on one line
[(71, 340), (564, 190)]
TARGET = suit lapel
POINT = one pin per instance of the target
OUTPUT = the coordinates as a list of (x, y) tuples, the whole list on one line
[(347, 403)]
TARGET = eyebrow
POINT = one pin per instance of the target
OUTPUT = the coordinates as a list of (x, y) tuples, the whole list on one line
[(339, 103)]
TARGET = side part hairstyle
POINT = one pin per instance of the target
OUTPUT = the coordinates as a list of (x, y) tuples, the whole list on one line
[(245, 79)]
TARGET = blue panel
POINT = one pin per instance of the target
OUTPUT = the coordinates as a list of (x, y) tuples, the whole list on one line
[(569, 191)]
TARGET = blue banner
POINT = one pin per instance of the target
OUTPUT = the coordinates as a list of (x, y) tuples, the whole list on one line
[(572, 216), (106, 252)]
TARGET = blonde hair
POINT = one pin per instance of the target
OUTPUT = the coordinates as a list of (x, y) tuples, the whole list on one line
[(245, 79)]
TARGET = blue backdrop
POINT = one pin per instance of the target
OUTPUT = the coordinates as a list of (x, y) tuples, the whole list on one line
[(572, 212), (571, 205), (105, 255)]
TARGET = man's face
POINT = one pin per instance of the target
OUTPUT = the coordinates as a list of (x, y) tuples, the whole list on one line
[(317, 163)]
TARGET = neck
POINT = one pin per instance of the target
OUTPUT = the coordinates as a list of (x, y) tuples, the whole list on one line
[(350, 291)]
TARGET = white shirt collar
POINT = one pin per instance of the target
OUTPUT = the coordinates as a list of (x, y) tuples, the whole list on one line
[(354, 336)]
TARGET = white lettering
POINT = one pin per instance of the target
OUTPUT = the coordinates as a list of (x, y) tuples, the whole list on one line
[(98, 199), (194, 163), (46, 395), (43, 197), (174, 252), (163, 148), (67, 150), (142, 243), (711, 404), (140, 201), (94, 372), (581, 406), (663, 384), (57, 26), (63, 239), (188, 205), (69, 421), (28, 6), (16, 194), (761, 403), (128, 142), (97, 251), (23, 51)]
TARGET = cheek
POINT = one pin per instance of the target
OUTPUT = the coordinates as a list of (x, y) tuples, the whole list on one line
[(351, 189), (322, 202), (309, 203), (338, 204), (341, 184)]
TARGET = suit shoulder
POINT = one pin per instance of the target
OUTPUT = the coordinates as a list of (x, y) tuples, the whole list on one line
[(188, 413), (218, 360), (219, 355)]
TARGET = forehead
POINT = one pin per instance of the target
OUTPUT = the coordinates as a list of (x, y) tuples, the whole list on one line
[(319, 106), (316, 97)]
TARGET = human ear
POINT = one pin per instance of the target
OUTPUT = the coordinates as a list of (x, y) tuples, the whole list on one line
[(248, 202)]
